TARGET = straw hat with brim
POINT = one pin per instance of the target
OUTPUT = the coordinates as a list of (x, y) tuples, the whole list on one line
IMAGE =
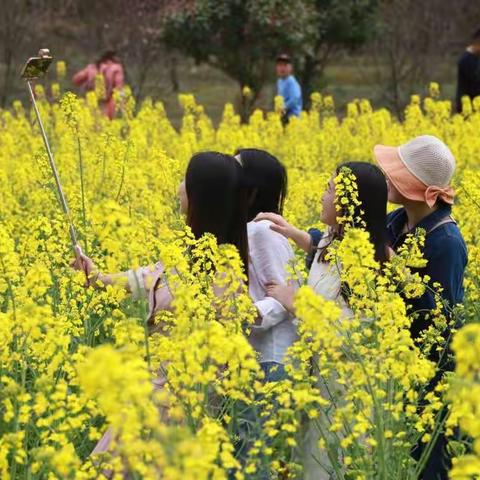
[(421, 169)]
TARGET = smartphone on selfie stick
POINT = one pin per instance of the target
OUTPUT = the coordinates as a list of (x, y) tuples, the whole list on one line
[(34, 68)]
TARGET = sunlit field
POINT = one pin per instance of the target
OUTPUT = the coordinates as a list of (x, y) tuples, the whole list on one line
[(75, 362)]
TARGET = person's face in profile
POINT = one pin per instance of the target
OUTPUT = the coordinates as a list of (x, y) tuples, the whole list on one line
[(284, 69), (329, 210), (394, 196)]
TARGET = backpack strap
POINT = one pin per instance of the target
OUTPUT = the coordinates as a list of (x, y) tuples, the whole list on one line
[(443, 221), (315, 236)]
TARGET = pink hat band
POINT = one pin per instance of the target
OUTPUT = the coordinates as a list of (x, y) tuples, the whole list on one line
[(432, 193)]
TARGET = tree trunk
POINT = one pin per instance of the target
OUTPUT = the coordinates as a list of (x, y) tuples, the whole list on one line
[(6, 77), (395, 83), (313, 68), (143, 70), (306, 77), (247, 104), (174, 74)]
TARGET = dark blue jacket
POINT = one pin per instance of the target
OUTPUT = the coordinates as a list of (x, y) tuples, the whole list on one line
[(446, 255)]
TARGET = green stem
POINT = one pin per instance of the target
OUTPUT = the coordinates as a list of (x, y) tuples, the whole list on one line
[(82, 188), (147, 346), (146, 333), (331, 457), (122, 179), (427, 451)]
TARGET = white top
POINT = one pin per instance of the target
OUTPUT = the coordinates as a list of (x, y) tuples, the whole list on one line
[(270, 253), (324, 278)]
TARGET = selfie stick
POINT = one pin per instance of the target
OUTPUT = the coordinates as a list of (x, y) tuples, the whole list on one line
[(44, 53)]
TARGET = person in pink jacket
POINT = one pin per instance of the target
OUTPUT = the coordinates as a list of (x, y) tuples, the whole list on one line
[(111, 69)]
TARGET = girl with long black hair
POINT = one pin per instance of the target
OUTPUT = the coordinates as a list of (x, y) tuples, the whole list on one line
[(323, 277), (265, 180), (213, 198)]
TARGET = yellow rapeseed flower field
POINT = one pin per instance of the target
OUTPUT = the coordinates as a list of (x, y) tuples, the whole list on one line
[(76, 363)]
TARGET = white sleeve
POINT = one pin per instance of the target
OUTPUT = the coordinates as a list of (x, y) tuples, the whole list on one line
[(272, 313), (270, 255)]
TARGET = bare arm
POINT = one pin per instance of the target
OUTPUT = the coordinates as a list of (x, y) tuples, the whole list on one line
[(80, 77), (138, 282), (279, 224), (118, 79), (283, 294)]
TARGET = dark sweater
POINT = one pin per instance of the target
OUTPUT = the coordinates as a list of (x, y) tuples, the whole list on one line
[(468, 79)]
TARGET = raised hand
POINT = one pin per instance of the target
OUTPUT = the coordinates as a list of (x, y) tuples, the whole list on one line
[(281, 226), (283, 294)]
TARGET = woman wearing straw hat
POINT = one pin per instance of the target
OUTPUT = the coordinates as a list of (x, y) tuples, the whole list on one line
[(419, 174)]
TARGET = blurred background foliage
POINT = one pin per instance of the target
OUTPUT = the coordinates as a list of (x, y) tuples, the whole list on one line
[(381, 49)]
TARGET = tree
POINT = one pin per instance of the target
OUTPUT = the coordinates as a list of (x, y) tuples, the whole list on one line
[(339, 24), (242, 38), (22, 23), (415, 42)]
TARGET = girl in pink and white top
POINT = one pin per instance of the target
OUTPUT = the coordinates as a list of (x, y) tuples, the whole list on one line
[(212, 197)]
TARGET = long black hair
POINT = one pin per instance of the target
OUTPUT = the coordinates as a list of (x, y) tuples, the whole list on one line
[(217, 200), (373, 195), (107, 55), (265, 179)]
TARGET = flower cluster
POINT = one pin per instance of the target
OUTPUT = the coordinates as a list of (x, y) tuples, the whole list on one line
[(347, 203), (465, 406), (80, 365)]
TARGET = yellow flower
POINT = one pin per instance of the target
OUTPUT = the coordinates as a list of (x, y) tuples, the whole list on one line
[(246, 91), (434, 89), (76, 361)]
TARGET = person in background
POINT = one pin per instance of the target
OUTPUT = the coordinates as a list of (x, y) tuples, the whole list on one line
[(288, 88), (110, 67), (468, 79)]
